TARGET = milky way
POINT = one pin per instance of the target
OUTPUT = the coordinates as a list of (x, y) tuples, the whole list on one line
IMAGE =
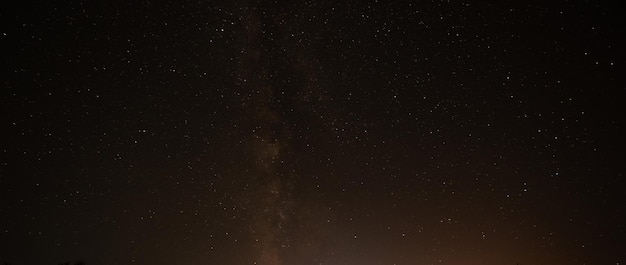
[(270, 204)]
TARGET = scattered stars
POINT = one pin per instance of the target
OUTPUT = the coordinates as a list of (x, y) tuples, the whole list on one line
[(313, 133)]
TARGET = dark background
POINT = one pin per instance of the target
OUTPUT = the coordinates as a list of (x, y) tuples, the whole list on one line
[(322, 132)]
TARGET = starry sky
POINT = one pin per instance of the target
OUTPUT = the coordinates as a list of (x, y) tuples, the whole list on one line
[(312, 132)]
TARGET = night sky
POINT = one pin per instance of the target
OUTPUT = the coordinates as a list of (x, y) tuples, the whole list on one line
[(318, 132)]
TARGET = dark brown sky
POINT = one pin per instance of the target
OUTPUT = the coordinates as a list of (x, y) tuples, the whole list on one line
[(321, 132)]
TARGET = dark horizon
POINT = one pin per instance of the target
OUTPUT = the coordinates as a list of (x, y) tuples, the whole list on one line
[(317, 132)]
